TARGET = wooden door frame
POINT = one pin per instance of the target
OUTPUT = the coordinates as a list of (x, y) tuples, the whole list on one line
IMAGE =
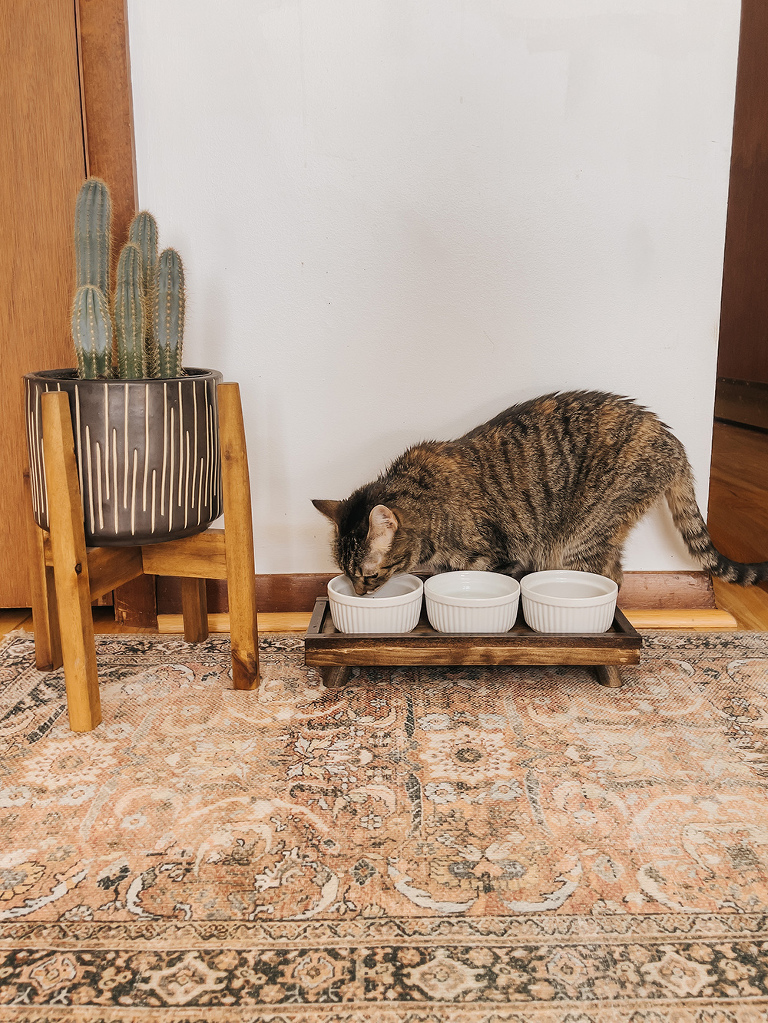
[(742, 365), (110, 153)]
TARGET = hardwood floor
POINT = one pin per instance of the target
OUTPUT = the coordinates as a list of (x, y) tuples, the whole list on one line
[(738, 522)]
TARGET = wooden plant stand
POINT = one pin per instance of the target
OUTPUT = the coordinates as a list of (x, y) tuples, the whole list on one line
[(66, 576), (335, 652)]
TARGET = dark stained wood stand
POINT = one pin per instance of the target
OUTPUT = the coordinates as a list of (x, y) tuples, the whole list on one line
[(335, 652)]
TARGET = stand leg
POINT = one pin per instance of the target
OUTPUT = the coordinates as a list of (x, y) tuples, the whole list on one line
[(238, 532), (609, 675), (336, 676), (194, 608), (45, 613), (70, 564)]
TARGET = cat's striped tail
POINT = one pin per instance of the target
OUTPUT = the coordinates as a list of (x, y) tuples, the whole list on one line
[(688, 519)]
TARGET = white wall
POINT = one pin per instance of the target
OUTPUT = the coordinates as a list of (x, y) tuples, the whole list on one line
[(398, 217)]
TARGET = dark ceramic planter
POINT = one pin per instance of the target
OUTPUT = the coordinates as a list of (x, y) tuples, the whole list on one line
[(147, 454)]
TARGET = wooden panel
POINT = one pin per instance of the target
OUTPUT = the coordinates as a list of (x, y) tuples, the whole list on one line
[(743, 353), (108, 107), (43, 164)]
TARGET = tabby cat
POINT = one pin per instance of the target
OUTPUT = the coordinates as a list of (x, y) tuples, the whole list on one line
[(556, 482)]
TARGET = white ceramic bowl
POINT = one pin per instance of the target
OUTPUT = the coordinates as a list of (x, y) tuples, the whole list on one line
[(566, 601), (471, 601), (394, 607)]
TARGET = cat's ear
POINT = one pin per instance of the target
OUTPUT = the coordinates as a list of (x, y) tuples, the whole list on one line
[(382, 526), (330, 509)]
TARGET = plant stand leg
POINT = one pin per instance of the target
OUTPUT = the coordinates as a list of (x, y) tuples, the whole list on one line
[(609, 675), (70, 564), (194, 609), (238, 534), (45, 613)]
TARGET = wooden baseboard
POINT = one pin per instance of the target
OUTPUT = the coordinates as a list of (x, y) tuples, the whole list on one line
[(219, 622), (297, 592), (666, 591), (742, 401), (701, 620), (275, 593)]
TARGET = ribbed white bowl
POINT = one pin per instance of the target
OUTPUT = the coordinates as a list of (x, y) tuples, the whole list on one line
[(471, 602), (566, 601), (394, 607)]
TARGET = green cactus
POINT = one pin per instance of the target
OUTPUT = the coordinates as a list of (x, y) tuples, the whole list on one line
[(149, 295), (93, 216), (143, 232), (169, 312), (130, 315), (92, 332)]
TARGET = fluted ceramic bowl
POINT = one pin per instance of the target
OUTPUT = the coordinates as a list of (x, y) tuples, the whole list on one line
[(567, 601), (394, 607), (471, 601)]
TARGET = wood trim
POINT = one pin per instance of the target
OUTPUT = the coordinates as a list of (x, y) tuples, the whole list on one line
[(297, 592), (217, 623), (667, 591), (107, 104), (742, 352), (702, 620)]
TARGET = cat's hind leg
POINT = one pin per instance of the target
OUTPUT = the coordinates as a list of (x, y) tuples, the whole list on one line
[(598, 556)]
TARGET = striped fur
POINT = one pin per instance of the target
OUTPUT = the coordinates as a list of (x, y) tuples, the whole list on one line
[(557, 482)]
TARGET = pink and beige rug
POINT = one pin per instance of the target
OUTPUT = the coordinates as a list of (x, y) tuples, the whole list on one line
[(459, 845)]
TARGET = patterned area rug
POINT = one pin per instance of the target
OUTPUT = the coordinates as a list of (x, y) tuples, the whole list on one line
[(461, 845)]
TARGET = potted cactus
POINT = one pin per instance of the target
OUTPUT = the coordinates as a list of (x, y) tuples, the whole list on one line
[(145, 427)]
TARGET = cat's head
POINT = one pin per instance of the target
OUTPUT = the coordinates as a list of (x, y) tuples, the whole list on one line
[(370, 543)]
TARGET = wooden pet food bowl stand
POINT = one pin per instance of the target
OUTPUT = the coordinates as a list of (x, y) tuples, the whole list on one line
[(334, 653), (66, 576)]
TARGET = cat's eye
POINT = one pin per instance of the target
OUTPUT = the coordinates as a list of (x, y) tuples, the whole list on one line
[(370, 578)]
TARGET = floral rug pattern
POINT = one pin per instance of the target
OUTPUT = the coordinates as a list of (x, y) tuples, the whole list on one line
[(472, 844)]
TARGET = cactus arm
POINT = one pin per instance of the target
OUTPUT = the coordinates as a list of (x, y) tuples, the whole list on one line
[(93, 217), (169, 312), (130, 315), (143, 232), (92, 332)]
